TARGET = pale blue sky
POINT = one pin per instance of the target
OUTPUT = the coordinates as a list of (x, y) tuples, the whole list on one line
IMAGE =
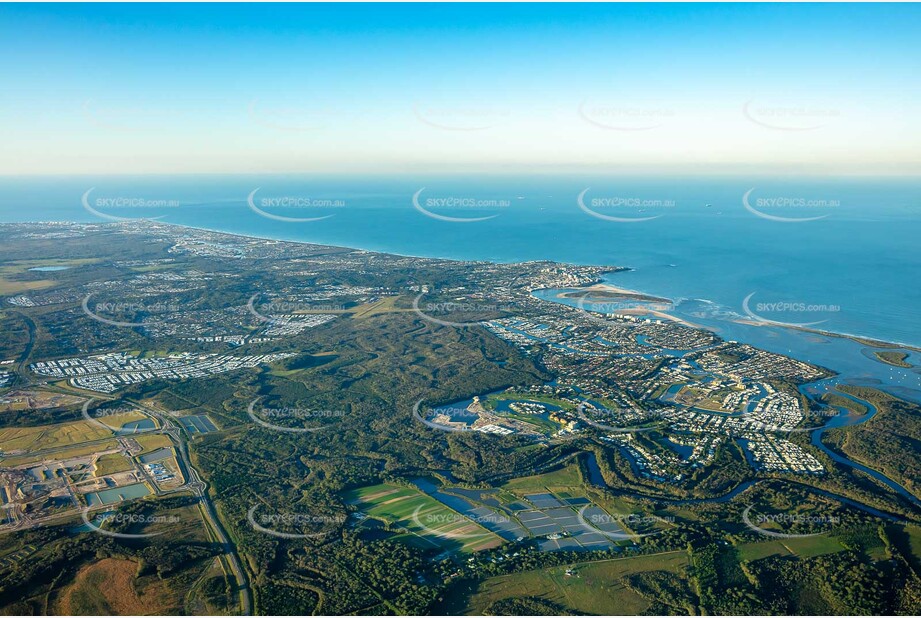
[(376, 88)]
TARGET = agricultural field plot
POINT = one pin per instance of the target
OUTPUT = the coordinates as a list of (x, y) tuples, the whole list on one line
[(479, 506), (589, 587), (197, 423), (557, 503), (907, 540), (583, 526), (564, 520), (14, 440), (428, 523)]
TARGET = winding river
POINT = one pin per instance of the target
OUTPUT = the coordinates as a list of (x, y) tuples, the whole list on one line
[(843, 419)]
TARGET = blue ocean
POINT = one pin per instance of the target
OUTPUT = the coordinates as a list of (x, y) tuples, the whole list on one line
[(743, 255)]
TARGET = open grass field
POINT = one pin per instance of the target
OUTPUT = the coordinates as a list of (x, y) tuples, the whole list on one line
[(914, 535), (427, 522), (805, 547), (152, 442), (13, 439), (9, 270), (567, 477), (112, 463), (698, 398), (9, 286), (594, 588)]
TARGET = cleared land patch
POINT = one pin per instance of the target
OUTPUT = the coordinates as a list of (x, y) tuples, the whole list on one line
[(592, 588), (108, 587), (14, 439)]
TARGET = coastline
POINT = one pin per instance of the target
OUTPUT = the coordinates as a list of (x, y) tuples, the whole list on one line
[(859, 339), (600, 284)]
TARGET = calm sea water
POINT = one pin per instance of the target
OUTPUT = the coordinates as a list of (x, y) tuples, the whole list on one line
[(854, 270)]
